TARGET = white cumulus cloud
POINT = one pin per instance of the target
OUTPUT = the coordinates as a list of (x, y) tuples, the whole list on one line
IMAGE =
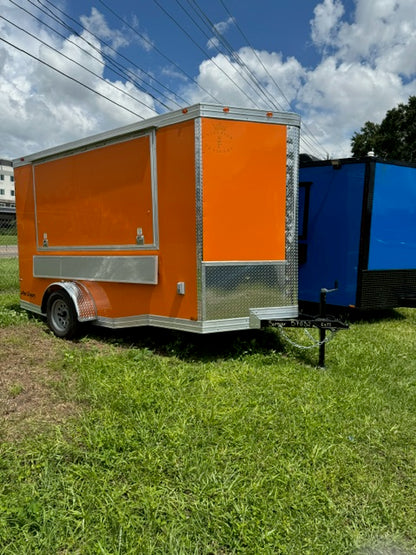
[(326, 20), (43, 107), (367, 67)]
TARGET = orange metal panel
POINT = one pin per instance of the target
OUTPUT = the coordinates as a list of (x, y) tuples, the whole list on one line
[(31, 289), (177, 237), (177, 221), (79, 196), (244, 190), (98, 197)]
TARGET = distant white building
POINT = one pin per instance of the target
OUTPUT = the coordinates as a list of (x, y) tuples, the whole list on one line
[(7, 192)]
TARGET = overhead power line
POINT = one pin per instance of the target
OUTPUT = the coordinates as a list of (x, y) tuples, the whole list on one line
[(235, 22), (309, 132), (170, 16), (245, 74), (126, 71), (308, 139), (120, 70), (69, 77), (253, 90), (156, 49), (112, 85)]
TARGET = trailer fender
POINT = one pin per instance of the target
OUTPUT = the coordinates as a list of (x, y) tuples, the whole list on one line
[(83, 301)]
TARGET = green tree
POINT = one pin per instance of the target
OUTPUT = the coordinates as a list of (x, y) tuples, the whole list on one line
[(393, 138)]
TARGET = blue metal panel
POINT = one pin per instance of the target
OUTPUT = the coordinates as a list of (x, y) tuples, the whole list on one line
[(333, 232), (393, 222)]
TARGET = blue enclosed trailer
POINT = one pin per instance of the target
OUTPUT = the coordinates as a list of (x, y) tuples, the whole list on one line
[(357, 228)]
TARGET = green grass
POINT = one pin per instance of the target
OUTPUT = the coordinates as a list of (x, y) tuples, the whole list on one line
[(10, 312), (225, 444), (9, 275), (8, 238)]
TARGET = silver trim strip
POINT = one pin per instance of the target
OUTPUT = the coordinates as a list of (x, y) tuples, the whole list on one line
[(292, 185), (211, 326), (120, 269), (129, 131), (246, 262), (249, 114), (89, 248), (31, 307), (153, 181), (84, 145)]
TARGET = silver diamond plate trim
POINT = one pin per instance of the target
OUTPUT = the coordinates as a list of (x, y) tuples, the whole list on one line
[(231, 290), (292, 178), (81, 297), (198, 200), (85, 304)]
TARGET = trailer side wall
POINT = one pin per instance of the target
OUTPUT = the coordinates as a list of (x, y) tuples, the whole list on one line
[(393, 221)]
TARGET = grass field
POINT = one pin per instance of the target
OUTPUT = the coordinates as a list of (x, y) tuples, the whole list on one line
[(159, 442), (8, 238)]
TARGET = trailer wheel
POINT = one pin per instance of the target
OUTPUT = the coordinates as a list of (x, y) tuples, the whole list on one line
[(61, 315)]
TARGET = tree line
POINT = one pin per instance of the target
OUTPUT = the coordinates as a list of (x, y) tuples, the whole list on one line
[(394, 138)]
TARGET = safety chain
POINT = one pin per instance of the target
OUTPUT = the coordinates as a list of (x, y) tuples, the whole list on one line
[(315, 344)]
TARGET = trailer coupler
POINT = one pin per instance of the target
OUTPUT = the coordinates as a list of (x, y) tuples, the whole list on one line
[(322, 322)]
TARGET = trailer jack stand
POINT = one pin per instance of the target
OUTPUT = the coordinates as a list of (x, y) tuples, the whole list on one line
[(322, 322)]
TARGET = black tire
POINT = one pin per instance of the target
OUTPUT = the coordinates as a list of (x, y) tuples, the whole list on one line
[(61, 315)]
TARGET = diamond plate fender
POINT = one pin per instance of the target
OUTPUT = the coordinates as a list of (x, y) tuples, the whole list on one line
[(80, 296)]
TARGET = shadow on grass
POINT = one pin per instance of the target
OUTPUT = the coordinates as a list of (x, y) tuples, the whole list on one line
[(370, 316), (190, 347), (353, 315), (195, 347), (13, 305)]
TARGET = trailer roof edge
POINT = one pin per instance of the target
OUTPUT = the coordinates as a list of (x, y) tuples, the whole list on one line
[(162, 120), (337, 162)]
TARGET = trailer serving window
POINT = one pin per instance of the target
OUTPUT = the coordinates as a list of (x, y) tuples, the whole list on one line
[(118, 209)]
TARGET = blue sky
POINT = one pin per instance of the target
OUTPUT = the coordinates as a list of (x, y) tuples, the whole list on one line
[(338, 63)]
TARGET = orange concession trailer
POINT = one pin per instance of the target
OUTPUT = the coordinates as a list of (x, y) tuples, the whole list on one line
[(187, 220)]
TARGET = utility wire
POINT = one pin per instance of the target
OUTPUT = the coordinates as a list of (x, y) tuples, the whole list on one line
[(203, 51), (69, 77), (254, 52), (245, 70), (236, 57), (144, 38), (108, 45), (77, 63), (256, 89), (98, 59), (147, 41), (127, 73), (244, 66), (124, 73), (269, 74)]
